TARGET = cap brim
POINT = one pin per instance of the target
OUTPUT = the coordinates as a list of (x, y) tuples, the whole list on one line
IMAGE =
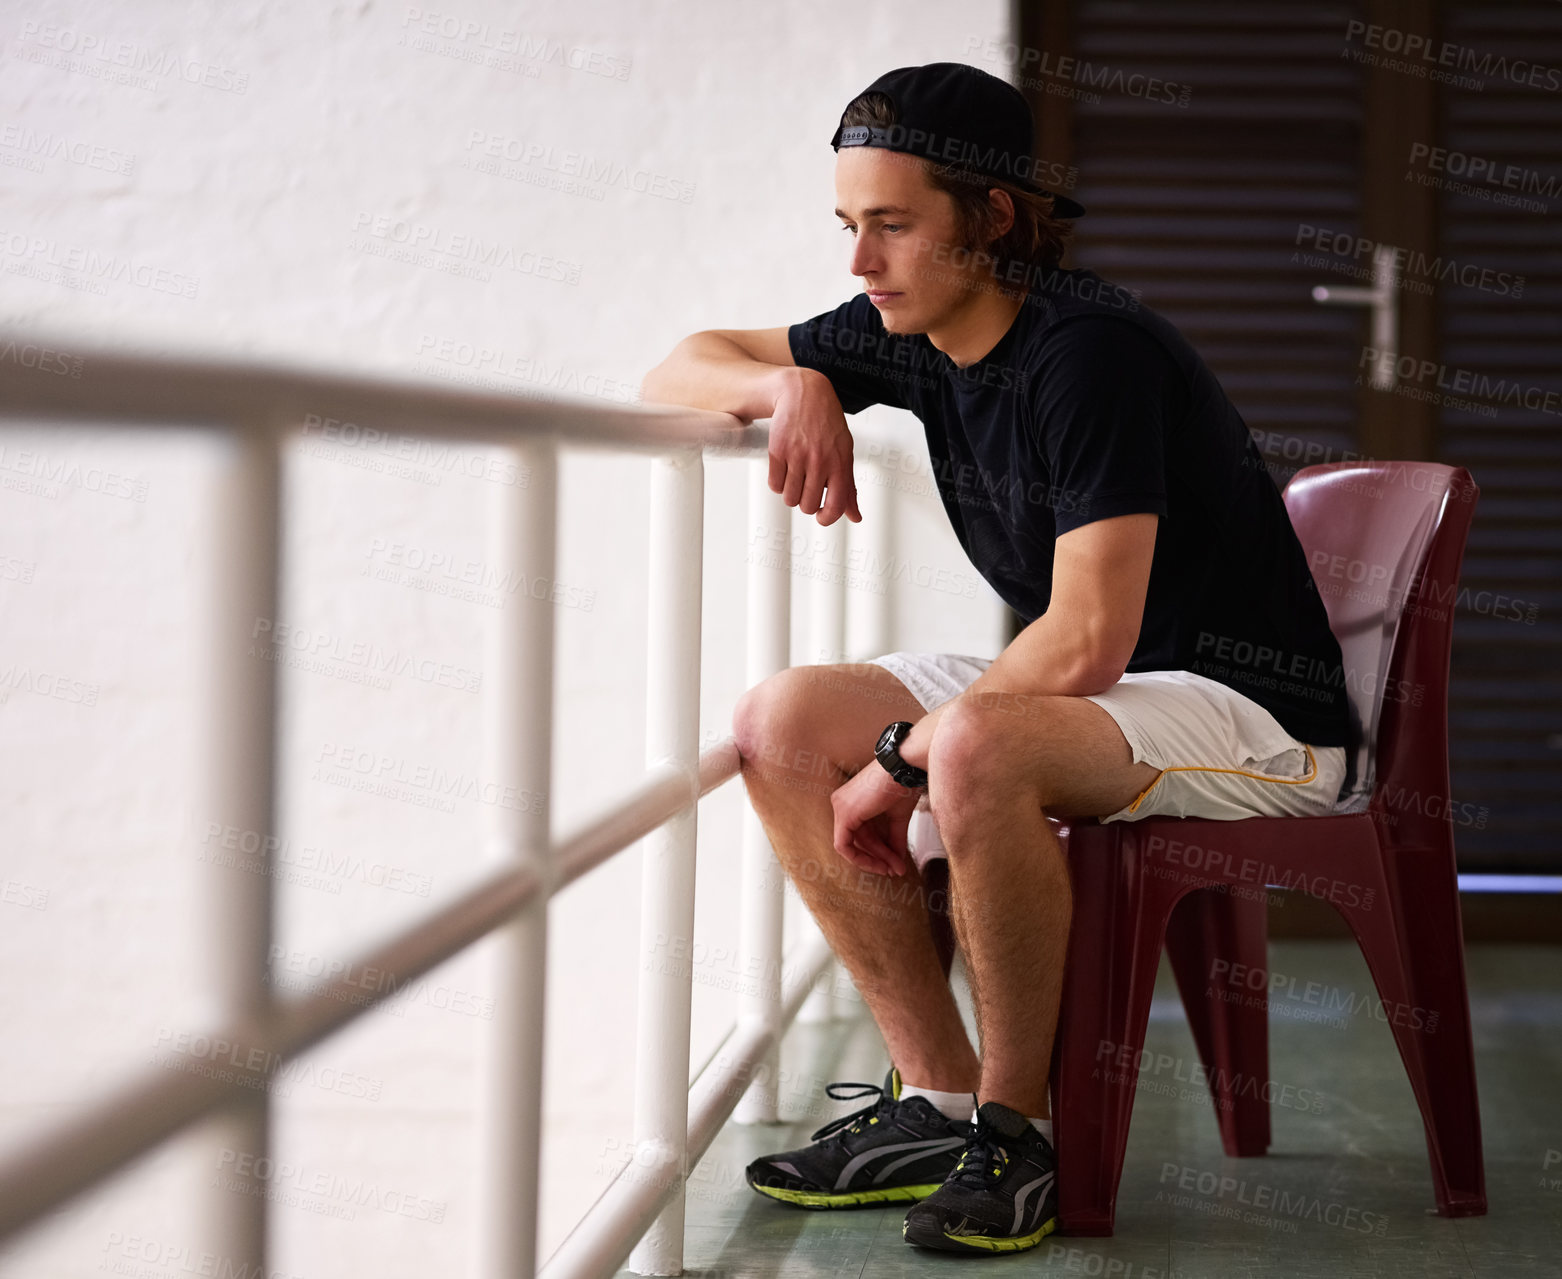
[(1062, 206)]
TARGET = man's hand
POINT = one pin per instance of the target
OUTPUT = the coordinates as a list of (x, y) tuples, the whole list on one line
[(811, 448), (872, 811)]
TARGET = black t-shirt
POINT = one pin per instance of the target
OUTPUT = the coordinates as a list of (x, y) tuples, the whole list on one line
[(1090, 406)]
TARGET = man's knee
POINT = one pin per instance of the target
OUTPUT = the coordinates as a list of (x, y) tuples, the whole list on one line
[(771, 712), (971, 755), (1065, 754), (783, 735), (818, 721)]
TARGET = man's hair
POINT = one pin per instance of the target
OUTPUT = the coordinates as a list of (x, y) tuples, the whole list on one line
[(1036, 240)]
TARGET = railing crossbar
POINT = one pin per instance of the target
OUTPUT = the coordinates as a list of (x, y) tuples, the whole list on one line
[(116, 389)]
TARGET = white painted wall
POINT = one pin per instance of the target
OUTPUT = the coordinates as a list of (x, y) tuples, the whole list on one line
[(241, 178)]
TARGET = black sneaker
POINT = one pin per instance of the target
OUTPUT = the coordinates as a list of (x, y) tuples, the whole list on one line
[(889, 1152), (1002, 1195)]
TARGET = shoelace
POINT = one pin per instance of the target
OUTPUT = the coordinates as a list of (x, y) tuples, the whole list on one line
[(984, 1157), (853, 1120)]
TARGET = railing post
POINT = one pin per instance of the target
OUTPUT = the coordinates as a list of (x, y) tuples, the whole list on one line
[(827, 627), (518, 754), (763, 892), (239, 793), (667, 888), (827, 623), (876, 534)]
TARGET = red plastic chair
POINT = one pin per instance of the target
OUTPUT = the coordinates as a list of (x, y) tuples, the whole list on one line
[(1398, 530)]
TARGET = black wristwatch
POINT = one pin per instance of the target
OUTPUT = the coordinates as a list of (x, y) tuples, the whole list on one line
[(887, 752)]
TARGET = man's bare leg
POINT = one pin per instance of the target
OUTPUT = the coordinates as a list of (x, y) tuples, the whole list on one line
[(801, 734), (993, 775)]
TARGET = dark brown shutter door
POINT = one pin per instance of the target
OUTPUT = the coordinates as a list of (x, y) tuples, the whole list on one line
[(1506, 696), (1200, 206)]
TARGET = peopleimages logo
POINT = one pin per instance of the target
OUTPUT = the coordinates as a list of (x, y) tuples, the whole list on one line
[(591, 169), (94, 54), (1410, 266), (1425, 57), (482, 38), (923, 363), (950, 150), (1060, 74), (37, 146), (1284, 1205), (1246, 653), (1493, 390)]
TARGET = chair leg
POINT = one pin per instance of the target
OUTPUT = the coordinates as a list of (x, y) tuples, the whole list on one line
[(1114, 947), (1416, 956), (1211, 936)]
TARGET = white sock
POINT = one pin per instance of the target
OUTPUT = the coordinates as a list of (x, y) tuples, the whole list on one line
[(1043, 1126), (952, 1104)]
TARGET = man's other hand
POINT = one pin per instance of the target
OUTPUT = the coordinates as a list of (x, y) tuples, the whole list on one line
[(872, 812)]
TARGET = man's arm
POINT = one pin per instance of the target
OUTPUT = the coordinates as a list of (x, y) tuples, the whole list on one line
[(750, 373), (1082, 643), (737, 371)]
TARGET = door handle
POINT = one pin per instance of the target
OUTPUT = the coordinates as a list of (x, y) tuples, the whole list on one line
[(1383, 298)]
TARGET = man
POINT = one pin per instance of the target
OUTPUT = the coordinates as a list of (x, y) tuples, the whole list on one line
[(1176, 658)]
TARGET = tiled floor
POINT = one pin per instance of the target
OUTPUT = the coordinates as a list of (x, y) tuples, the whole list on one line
[(1348, 1143)]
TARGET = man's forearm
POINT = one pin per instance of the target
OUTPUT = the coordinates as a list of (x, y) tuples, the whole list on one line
[(1047, 659), (707, 371)]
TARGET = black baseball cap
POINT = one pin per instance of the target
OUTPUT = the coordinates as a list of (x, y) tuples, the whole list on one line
[(961, 116)]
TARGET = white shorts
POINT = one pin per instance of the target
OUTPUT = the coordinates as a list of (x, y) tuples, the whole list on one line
[(1223, 756)]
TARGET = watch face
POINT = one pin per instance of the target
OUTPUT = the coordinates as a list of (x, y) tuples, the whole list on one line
[(885, 738)]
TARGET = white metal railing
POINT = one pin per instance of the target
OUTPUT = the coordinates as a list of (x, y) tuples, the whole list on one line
[(254, 408)]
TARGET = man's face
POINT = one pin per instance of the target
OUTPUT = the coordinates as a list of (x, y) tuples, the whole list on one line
[(904, 240)]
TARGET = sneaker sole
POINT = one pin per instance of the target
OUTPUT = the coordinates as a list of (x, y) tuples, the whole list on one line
[(848, 1199), (926, 1233)]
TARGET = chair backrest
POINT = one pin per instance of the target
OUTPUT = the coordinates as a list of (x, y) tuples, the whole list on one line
[(1384, 541)]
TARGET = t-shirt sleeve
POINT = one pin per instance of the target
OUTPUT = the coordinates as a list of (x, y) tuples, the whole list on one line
[(1102, 401), (850, 346)]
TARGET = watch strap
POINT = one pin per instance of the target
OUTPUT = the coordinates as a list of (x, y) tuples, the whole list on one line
[(887, 752)]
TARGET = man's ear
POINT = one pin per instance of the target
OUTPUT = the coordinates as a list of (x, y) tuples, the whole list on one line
[(1003, 210)]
